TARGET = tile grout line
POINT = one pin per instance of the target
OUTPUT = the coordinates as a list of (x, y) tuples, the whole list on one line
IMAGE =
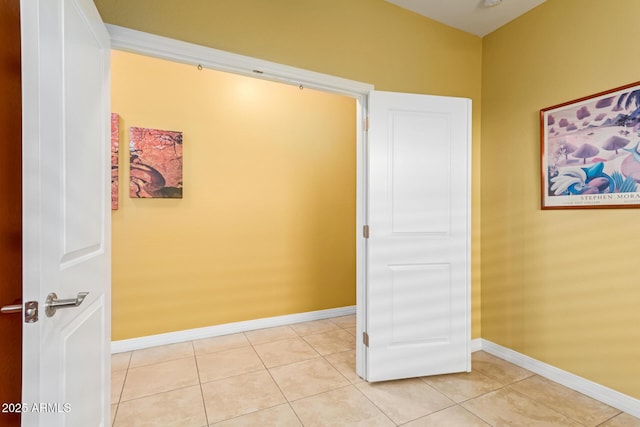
[(540, 403), (320, 356), (204, 404), (324, 356), (476, 415), (124, 381), (609, 419), (562, 413), (502, 387), (277, 385), (507, 385), (375, 405)]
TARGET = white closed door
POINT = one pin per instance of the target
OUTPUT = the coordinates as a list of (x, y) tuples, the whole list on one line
[(66, 213), (417, 304)]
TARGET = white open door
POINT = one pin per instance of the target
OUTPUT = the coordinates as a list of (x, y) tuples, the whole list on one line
[(66, 213), (417, 302)]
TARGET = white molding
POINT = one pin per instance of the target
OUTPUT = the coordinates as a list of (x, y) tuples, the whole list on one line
[(227, 328), (599, 392), (175, 50), (476, 345)]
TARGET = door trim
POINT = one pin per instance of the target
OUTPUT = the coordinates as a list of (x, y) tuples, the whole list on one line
[(139, 42)]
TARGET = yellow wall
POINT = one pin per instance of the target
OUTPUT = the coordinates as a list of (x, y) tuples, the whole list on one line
[(559, 286), (556, 285), (267, 223), (366, 40)]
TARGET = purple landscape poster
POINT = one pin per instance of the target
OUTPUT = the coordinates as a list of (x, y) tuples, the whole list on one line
[(591, 151)]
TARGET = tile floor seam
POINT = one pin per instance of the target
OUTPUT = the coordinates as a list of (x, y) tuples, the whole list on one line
[(319, 356), (122, 388), (115, 416), (164, 391), (609, 419), (454, 403), (502, 387), (231, 376), (570, 389), (269, 340), (318, 394), (322, 332), (546, 406), (331, 364), (204, 405), (253, 412), (278, 385), (219, 351), (124, 382), (295, 413), (275, 341), (442, 410), (478, 416), (283, 395), (253, 347), (161, 361), (376, 406), (318, 351), (129, 361), (160, 392), (340, 388)]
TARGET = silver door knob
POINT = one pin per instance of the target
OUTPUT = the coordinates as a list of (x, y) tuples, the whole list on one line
[(53, 303), (15, 308), (30, 310)]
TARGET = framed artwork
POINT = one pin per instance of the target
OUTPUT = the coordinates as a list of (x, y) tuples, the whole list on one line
[(155, 160), (115, 136), (590, 151)]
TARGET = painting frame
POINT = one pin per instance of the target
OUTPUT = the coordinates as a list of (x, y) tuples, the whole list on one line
[(155, 163), (590, 151)]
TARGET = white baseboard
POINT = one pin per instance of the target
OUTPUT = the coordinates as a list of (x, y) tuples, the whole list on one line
[(227, 328), (599, 392)]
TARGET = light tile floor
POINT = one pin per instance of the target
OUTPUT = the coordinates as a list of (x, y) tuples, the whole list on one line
[(304, 375)]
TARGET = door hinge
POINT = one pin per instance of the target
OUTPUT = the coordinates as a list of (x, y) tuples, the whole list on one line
[(366, 123), (365, 231), (365, 339)]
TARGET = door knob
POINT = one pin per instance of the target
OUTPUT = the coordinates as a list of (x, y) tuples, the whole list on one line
[(53, 303), (15, 308), (30, 310)]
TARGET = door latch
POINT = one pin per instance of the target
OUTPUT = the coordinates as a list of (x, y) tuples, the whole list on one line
[(30, 310)]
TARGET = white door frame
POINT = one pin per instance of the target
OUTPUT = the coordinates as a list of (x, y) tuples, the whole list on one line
[(174, 50)]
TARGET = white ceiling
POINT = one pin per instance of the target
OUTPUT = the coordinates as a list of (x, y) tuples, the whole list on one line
[(469, 15)]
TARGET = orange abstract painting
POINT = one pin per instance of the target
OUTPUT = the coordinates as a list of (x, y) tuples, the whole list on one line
[(156, 163), (115, 131)]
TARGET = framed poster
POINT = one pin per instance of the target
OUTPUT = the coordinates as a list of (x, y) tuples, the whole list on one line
[(590, 151), (155, 161)]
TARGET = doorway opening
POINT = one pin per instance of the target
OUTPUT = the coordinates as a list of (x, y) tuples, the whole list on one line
[(202, 60)]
